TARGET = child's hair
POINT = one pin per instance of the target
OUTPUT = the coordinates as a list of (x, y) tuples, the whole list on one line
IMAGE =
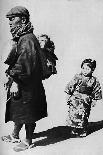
[(91, 63)]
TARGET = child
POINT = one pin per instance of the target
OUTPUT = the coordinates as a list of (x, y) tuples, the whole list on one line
[(48, 47), (82, 91), (45, 42)]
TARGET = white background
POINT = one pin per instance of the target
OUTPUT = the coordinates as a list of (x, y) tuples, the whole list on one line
[(76, 27)]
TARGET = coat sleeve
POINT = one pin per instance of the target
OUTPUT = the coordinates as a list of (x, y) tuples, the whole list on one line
[(97, 92), (71, 85), (26, 61)]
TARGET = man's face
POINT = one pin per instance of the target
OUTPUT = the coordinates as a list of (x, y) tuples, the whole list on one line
[(14, 22)]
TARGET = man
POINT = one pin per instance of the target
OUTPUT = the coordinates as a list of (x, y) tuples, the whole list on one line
[(27, 104)]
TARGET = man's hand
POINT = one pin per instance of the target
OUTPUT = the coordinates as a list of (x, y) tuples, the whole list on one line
[(14, 89)]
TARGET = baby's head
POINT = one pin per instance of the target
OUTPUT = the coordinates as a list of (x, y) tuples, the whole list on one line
[(45, 42), (42, 40), (88, 66)]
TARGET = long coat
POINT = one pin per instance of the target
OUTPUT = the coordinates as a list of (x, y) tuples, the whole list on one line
[(30, 104)]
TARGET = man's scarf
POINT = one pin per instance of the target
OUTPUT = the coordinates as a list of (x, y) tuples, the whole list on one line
[(20, 30)]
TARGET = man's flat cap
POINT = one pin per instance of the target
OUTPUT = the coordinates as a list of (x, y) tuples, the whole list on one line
[(18, 11)]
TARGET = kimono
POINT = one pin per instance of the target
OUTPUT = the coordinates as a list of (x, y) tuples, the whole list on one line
[(81, 93), (29, 105)]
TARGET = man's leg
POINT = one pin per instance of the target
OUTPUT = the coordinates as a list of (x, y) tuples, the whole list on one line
[(28, 141), (17, 128), (29, 132)]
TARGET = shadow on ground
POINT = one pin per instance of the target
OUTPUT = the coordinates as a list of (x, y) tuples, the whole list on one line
[(61, 133)]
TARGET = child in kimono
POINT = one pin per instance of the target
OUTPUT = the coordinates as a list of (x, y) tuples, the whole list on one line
[(83, 91)]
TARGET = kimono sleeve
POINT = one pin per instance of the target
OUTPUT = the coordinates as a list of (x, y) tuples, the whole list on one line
[(71, 85), (97, 92), (22, 69)]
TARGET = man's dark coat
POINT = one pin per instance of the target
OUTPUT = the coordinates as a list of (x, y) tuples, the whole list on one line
[(30, 104)]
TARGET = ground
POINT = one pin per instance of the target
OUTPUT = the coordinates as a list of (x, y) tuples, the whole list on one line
[(57, 141)]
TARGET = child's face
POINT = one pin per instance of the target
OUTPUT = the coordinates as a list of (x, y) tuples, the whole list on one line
[(42, 41), (86, 70)]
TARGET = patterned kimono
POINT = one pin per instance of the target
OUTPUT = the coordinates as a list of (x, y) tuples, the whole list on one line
[(81, 93)]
